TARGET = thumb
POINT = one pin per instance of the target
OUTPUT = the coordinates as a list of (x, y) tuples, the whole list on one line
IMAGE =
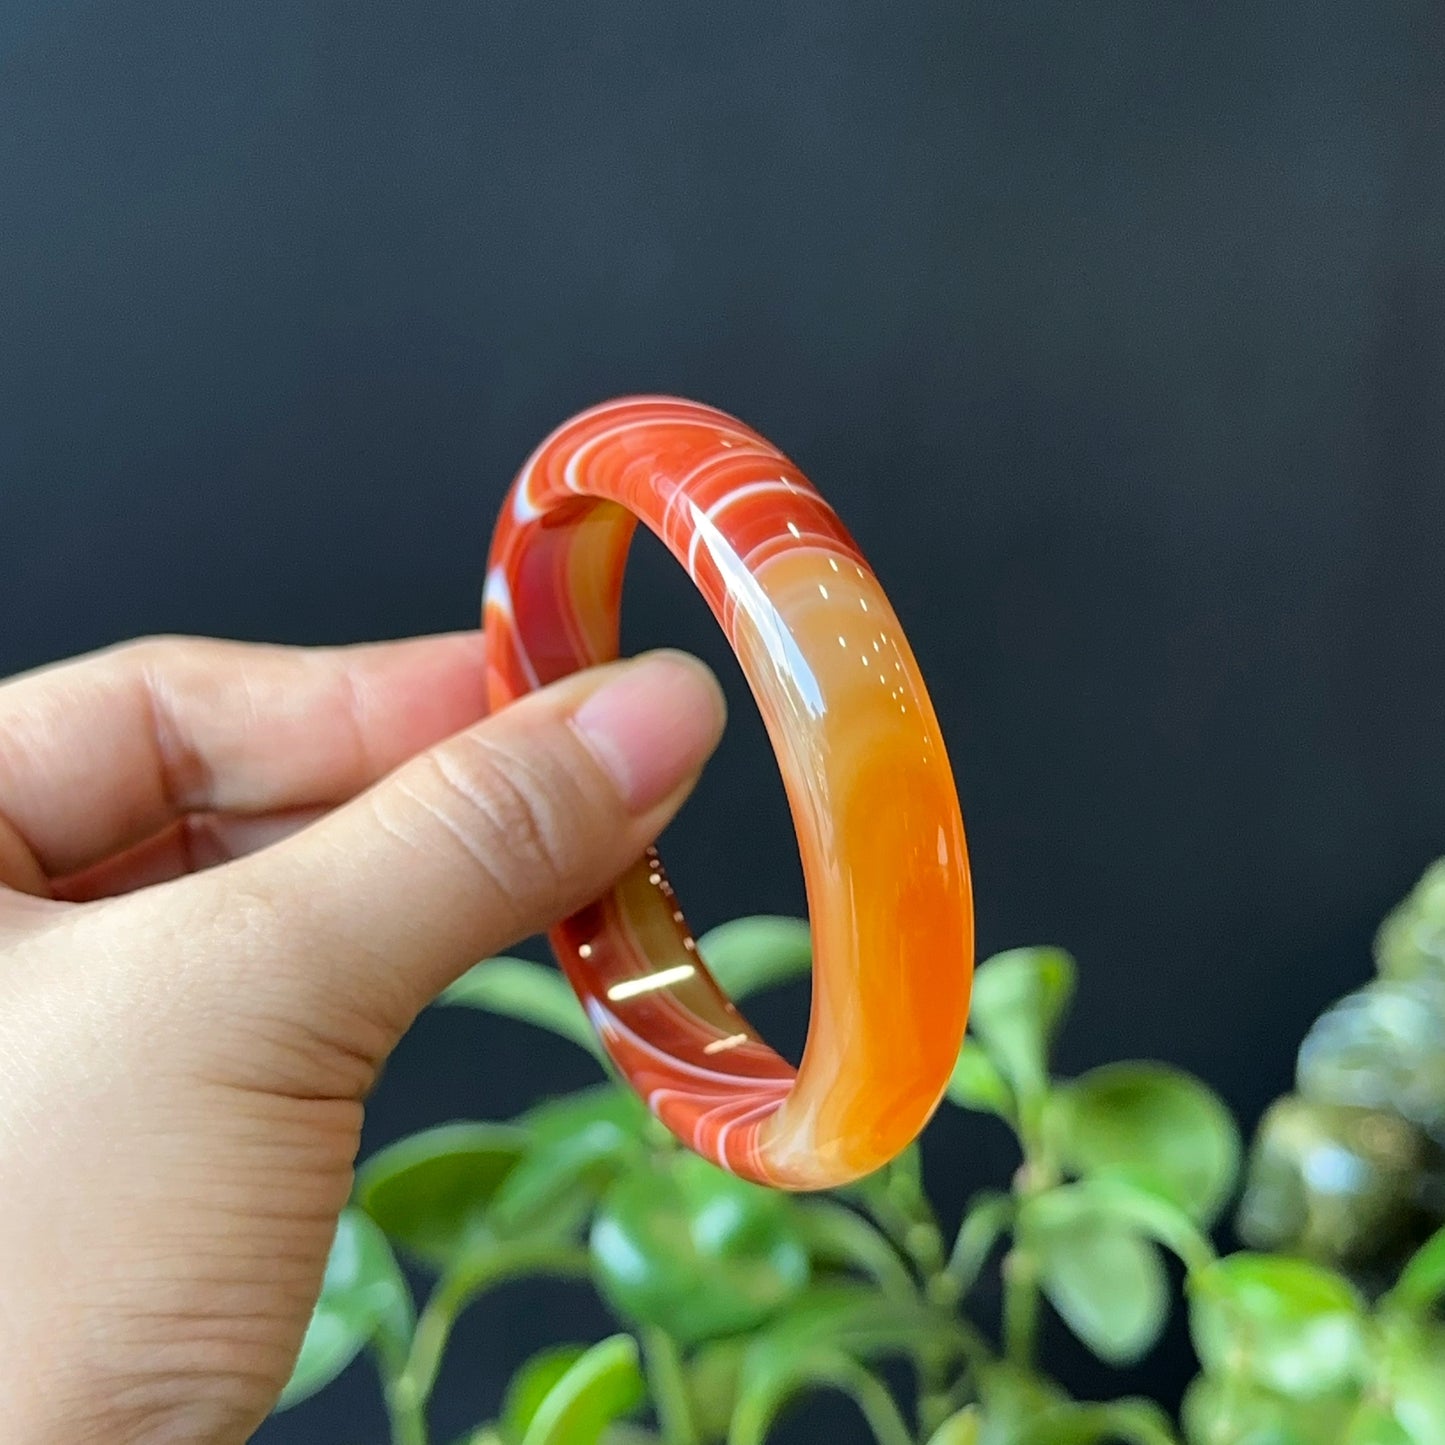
[(491, 836)]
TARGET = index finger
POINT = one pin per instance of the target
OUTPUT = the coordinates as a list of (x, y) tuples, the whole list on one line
[(101, 753)]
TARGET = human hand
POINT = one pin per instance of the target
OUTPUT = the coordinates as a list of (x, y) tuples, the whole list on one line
[(230, 877)]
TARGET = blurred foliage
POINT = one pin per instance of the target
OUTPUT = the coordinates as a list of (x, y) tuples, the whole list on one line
[(737, 1302), (1349, 1170)]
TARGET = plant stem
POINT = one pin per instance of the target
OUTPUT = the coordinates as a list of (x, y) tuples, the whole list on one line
[(984, 1221), (407, 1414), (904, 1213), (873, 1399), (469, 1279), (669, 1388), (1036, 1175), (933, 1381), (896, 1202), (834, 1232), (1020, 1306), (1021, 1303), (935, 1402)]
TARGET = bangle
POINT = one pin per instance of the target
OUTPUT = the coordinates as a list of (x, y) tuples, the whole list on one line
[(863, 763)]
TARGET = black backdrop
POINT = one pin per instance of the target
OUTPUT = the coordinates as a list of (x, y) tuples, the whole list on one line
[(1116, 333)]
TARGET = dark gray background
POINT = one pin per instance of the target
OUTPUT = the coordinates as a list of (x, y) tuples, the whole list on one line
[(1116, 333)]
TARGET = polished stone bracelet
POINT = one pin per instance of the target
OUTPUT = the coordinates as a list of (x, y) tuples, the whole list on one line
[(863, 763)]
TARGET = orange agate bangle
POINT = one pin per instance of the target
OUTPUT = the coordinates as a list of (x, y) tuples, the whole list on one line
[(862, 759)]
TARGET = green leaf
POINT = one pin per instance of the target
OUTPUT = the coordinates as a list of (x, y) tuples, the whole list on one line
[(1019, 1000), (1220, 1411), (431, 1191), (977, 1084), (364, 1301), (988, 1215), (1107, 1283), (1286, 1324), (695, 1251), (1151, 1123), (332, 1340), (1422, 1281), (819, 1341), (1409, 1384), (576, 1147), (1137, 1422), (601, 1386), (532, 1384), (1124, 1204), (531, 992), (604, 1108), (964, 1428), (1411, 941), (1405, 1401), (668, 1387), (1330, 1181), (1374, 1424), (713, 1373), (752, 954), (1379, 1048), (1013, 1399), (836, 1236), (766, 1390), (855, 1319)]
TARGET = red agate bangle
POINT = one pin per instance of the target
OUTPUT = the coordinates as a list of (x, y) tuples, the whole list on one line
[(862, 759)]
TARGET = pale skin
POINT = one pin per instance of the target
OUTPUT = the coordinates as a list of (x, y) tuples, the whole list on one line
[(230, 878)]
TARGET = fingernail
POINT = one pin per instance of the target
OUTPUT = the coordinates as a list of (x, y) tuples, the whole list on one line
[(652, 725)]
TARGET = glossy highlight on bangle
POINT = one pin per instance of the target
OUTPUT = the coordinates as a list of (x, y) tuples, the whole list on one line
[(863, 764)]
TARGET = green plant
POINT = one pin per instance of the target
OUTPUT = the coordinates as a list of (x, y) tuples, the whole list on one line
[(736, 1301), (1350, 1168)]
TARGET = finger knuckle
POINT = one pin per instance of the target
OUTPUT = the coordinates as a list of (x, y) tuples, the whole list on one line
[(154, 650), (517, 812)]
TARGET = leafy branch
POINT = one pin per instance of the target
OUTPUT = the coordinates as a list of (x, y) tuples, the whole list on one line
[(738, 1301)]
